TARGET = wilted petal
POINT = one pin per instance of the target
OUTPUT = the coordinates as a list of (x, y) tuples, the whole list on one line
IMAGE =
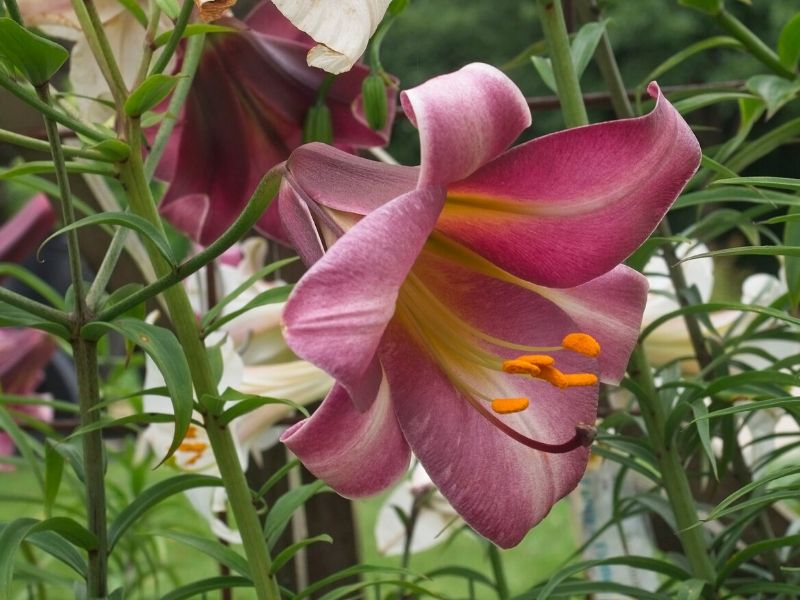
[(24, 231), (578, 201), (341, 27), (363, 272), (465, 119), (501, 487), (357, 454), (211, 10)]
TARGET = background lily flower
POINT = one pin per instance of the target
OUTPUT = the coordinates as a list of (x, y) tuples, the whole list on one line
[(670, 341), (23, 356), (442, 298), (342, 28), (125, 34), (255, 361), (26, 229), (245, 114)]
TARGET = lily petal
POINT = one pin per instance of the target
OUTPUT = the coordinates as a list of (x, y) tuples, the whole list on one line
[(20, 235), (463, 452), (363, 271), (465, 119), (357, 454), (560, 197), (342, 28)]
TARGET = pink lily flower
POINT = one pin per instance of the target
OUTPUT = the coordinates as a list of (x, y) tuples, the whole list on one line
[(23, 356), (245, 115), (26, 229), (468, 307)]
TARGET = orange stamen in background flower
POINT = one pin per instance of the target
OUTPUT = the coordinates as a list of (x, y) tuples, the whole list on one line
[(194, 448), (582, 343), (519, 366), (506, 406)]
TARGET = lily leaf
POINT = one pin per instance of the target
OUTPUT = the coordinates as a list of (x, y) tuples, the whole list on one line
[(789, 43), (151, 91), (38, 58), (775, 91)]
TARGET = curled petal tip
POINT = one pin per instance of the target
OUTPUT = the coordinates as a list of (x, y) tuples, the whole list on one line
[(586, 434)]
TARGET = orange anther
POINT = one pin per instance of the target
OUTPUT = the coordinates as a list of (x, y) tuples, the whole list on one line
[(520, 367), (506, 406), (553, 376), (581, 379), (540, 360), (582, 343)]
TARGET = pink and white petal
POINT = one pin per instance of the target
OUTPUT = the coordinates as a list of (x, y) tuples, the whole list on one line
[(573, 204), (338, 311), (500, 487), (338, 180), (20, 235), (298, 224), (610, 309), (357, 454), (465, 119)]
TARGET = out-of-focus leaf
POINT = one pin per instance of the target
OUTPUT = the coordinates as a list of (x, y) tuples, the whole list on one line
[(53, 470), (723, 507), (149, 94), (544, 67), (711, 7), (677, 58), (585, 43), (170, 8), (132, 6), (193, 29), (286, 554), (280, 513), (245, 404), (774, 90), (221, 554), (752, 550), (781, 183), (60, 549), (48, 166), (703, 431), (691, 589), (698, 101), (350, 572), (199, 588), (789, 43)]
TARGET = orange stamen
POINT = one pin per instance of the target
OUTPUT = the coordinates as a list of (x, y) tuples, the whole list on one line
[(582, 343), (581, 379), (506, 406), (553, 376), (540, 360), (520, 367)]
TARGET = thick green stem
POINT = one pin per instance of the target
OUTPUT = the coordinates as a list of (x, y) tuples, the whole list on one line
[(172, 43), (56, 115), (673, 474), (85, 354), (551, 16), (500, 581), (148, 46), (185, 325), (67, 210), (753, 43)]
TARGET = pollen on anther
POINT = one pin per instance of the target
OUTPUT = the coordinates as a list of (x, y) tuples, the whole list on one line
[(553, 376), (582, 343), (581, 379), (520, 367), (506, 406), (540, 360)]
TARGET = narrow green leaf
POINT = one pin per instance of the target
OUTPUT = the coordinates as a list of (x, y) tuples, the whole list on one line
[(193, 29), (165, 350), (199, 588), (250, 403), (280, 513), (138, 418), (677, 58), (48, 166), (116, 150), (11, 316), (170, 8), (38, 285), (38, 58), (789, 43), (132, 6), (544, 67), (286, 554), (711, 7), (60, 549), (784, 183), (53, 471), (350, 572), (585, 43), (703, 431), (151, 497), (691, 589), (130, 221), (746, 489), (752, 550), (270, 296), (23, 443), (149, 94), (276, 477), (698, 101), (221, 554)]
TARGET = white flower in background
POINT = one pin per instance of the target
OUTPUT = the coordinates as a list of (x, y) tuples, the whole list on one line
[(434, 515), (341, 28), (670, 341), (256, 361), (125, 34)]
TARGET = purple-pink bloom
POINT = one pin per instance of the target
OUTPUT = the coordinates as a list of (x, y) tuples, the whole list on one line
[(442, 298), (25, 230), (245, 114), (23, 356)]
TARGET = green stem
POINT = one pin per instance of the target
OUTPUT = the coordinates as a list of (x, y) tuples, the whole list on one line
[(500, 581), (30, 143), (172, 43), (107, 267), (551, 16), (186, 329), (85, 354), (673, 474), (753, 43), (33, 307), (95, 35), (244, 222), (191, 60), (49, 111), (149, 38), (67, 210)]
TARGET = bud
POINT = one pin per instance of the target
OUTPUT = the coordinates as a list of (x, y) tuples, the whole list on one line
[(318, 126), (376, 109)]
